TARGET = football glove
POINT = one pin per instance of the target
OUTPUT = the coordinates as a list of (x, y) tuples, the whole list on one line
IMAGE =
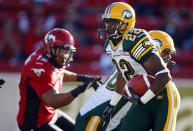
[(86, 78), (96, 83), (106, 115), (135, 99), (80, 89), (1, 82)]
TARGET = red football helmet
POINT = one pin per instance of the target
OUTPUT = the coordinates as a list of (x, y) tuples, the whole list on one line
[(58, 46)]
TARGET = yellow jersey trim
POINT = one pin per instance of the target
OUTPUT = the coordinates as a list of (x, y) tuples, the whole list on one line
[(138, 44), (142, 54)]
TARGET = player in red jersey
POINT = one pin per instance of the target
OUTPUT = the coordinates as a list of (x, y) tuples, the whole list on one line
[(42, 77)]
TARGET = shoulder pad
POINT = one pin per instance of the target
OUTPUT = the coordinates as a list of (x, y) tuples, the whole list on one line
[(138, 43)]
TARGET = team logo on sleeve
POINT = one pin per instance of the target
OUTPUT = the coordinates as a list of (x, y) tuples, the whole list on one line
[(38, 72), (147, 43)]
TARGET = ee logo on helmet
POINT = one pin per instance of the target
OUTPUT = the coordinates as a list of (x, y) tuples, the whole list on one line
[(50, 38), (127, 14)]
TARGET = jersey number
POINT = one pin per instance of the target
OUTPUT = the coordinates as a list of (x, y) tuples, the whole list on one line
[(124, 65)]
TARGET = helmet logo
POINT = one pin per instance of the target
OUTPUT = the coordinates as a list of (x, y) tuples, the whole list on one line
[(147, 43), (127, 14), (50, 38), (158, 43)]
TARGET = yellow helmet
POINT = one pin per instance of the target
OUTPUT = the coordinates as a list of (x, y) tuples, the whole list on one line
[(163, 41), (116, 20)]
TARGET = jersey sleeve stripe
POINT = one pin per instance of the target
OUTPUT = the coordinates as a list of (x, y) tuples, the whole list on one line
[(144, 53), (139, 52), (143, 49), (137, 44)]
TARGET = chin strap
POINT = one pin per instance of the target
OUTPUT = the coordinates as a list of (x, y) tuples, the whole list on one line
[(114, 36), (54, 63)]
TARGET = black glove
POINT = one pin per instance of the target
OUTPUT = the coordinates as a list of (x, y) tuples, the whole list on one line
[(1, 82), (96, 83), (86, 78), (106, 115), (135, 99), (80, 89)]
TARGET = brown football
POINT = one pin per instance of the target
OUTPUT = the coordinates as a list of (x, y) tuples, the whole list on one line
[(139, 84)]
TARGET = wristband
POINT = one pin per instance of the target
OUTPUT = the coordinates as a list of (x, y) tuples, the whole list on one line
[(147, 96), (75, 92), (162, 71), (115, 98), (83, 78)]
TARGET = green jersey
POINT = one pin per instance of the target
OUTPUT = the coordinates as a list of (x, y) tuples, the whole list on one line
[(131, 52)]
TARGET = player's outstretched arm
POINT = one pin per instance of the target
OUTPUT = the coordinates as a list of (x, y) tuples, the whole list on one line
[(54, 99), (73, 77)]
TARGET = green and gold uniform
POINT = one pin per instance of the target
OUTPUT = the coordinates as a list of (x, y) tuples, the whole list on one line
[(129, 55)]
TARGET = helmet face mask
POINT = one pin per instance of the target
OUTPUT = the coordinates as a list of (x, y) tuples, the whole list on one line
[(111, 28), (62, 55), (58, 47)]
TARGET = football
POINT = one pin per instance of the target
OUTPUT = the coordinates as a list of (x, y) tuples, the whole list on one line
[(139, 83)]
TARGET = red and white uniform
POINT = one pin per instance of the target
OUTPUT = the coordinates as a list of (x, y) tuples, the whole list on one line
[(38, 76)]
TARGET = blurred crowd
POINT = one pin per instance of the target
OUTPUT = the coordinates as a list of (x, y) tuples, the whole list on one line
[(23, 23)]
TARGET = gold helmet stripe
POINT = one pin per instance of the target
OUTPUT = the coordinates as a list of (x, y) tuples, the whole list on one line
[(108, 9)]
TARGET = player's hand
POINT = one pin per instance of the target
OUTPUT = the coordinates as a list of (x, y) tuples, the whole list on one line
[(106, 115), (96, 83), (1, 82), (134, 98)]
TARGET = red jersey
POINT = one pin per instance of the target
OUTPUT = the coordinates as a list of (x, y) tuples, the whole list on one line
[(37, 77)]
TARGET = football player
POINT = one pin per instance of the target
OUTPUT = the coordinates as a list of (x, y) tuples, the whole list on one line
[(42, 76), (165, 47), (90, 114), (134, 52)]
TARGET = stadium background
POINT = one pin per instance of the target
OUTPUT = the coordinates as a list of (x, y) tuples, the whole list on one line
[(23, 24)]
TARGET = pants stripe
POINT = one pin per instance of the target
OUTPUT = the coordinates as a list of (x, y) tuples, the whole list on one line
[(93, 123), (172, 107)]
